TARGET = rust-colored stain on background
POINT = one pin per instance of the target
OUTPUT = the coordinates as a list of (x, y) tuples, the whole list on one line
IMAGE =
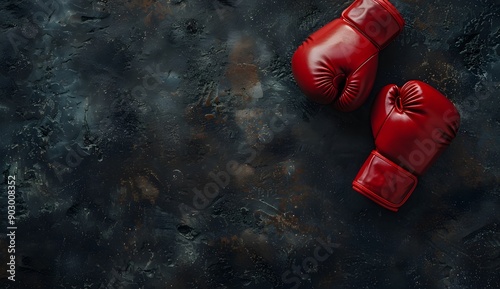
[(155, 10), (242, 71)]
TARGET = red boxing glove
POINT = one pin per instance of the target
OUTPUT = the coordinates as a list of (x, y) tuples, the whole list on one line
[(337, 64), (411, 126)]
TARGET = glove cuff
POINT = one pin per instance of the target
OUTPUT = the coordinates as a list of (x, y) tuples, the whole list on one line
[(384, 182), (377, 20)]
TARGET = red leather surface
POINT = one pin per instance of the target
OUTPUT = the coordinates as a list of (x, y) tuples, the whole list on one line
[(384, 182), (337, 64), (378, 25), (412, 125)]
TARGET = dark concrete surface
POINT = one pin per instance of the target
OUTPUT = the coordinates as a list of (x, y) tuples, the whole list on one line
[(116, 115)]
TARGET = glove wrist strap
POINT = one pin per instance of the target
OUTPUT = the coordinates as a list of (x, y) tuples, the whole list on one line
[(384, 182), (378, 20)]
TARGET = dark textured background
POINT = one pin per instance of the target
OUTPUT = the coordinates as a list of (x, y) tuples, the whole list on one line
[(114, 112)]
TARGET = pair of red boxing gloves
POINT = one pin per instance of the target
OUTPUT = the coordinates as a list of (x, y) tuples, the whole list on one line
[(411, 124)]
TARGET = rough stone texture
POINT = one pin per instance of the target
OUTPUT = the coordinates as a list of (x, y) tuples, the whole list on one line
[(114, 114)]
